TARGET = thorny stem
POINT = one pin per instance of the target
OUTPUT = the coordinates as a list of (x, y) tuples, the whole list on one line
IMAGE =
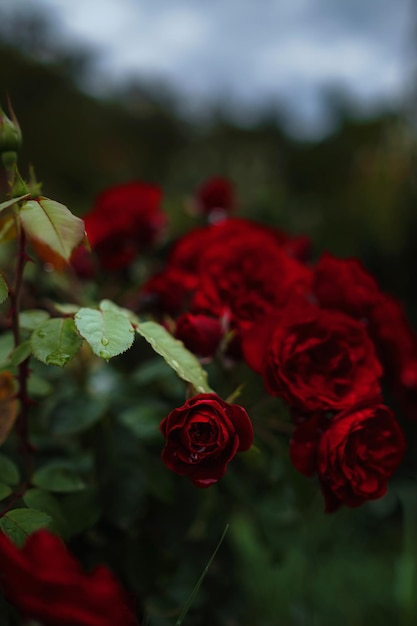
[(23, 368), (14, 498)]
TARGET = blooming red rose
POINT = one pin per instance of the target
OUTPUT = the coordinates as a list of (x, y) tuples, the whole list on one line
[(203, 435), (124, 220), (345, 285), (215, 195), (316, 359), (200, 333), (237, 268), (245, 273), (354, 454), (46, 583)]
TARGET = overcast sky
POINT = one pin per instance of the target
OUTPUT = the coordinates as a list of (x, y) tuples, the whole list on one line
[(249, 51)]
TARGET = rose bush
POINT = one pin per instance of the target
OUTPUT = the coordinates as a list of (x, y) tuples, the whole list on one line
[(81, 451), (203, 436)]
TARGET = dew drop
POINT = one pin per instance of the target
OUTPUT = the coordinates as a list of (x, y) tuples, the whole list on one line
[(105, 354), (174, 363), (57, 358), (104, 341)]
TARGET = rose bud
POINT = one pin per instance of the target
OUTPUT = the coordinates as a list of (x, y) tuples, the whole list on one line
[(10, 133), (215, 196)]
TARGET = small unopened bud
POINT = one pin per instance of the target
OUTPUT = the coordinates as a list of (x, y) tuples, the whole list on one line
[(10, 135)]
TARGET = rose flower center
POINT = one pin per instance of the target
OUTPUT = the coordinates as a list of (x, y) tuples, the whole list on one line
[(202, 433)]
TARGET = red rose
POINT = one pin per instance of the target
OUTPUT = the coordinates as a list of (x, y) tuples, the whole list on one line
[(186, 252), (200, 333), (316, 359), (396, 343), (215, 195), (236, 268), (354, 454), (84, 263), (46, 583), (345, 285), (203, 435), (245, 272), (168, 291), (123, 221)]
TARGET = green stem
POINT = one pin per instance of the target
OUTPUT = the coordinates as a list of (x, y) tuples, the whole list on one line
[(199, 582)]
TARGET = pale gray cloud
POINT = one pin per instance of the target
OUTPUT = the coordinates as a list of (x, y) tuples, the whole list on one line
[(248, 50)]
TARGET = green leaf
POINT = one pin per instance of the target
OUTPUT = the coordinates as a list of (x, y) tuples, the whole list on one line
[(33, 318), (108, 305), (9, 203), (108, 332), (5, 491), (21, 353), (9, 472), (18, 524), (59, 478), (143, 421), (66, 309), (47, 503), (76, 415), (52, 224), (4, 290), (56, 341), (185, 364), (39, 387), (6, 346)]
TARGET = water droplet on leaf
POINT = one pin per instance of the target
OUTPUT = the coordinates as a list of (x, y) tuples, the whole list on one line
[(57, 358), (104, 341)]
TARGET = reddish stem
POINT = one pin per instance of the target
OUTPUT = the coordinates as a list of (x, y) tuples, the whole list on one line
[(23, 368), (14, 498)]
